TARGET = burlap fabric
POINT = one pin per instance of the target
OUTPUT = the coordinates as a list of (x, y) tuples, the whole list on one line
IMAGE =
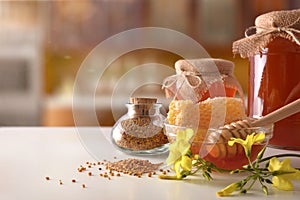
[(194, 76), (285, 24)]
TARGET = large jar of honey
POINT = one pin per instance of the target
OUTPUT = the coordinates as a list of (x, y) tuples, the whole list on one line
[(274, 72)]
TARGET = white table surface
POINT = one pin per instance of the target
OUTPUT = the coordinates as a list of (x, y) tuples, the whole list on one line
[(29, 154)]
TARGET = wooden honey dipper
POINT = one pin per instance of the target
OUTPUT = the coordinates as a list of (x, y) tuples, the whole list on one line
[(239, 129), (229, 130)]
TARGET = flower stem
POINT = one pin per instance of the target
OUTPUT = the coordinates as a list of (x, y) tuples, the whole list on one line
[(251, 185), (278, 156)]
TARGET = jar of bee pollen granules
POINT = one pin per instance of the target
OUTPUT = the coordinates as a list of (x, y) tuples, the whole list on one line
[(140, 130)]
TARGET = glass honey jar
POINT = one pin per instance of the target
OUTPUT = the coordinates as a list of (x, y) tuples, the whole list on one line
[(206, 95), (200, 79), (274, 81), (274, 70)]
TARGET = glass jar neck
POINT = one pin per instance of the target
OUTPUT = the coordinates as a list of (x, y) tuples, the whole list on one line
[(135, 110)]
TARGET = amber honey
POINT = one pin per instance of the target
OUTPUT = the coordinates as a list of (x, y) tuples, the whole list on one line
[(224, 156), (217, 90), (227, 160), (214, 148), (274, 81)]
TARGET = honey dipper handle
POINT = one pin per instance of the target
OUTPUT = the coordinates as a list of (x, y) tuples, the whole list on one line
[(279, 114)]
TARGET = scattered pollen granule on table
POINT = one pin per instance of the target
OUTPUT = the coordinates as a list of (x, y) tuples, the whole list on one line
[(130, 166), (133, 166)]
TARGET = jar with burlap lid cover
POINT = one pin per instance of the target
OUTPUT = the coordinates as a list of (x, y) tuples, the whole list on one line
[(205, 94), (274, 57), (200, 79)]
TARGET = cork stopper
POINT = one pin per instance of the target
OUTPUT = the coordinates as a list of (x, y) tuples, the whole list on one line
[(139, 100), (142, 106)]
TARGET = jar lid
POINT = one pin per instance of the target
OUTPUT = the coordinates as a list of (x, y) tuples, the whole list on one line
[(204, 65), (284, 23), (141, 106), (139, 100), (278, 19)]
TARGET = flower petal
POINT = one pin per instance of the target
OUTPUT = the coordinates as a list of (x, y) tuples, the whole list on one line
[(162, 176), (235, 140), (259, 137), (282, 184), (173, 156), (177, 169), (227, 191), (180, 135), (274, 164), (186, 163), (183, 147), (189, 134)]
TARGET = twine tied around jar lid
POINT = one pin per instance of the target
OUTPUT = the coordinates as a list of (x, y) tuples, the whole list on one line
[(285, 24), (195, 74)]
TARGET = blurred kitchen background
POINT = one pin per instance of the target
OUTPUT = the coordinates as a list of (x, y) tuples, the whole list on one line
[(43, 43)]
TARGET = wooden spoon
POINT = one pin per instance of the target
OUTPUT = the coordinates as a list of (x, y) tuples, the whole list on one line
[(239, 129), (279, 114), (233, 128)]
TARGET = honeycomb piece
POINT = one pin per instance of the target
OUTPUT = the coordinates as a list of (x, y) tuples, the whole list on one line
[(213, 112), (183, 113), (220, 110)]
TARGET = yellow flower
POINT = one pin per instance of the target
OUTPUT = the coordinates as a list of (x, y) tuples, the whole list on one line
[(177, 155), (283, 174), (229, 189), (184, 164), (247, 144), (181, 146)]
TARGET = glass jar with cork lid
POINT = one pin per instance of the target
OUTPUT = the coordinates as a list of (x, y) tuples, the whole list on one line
[(140, 130), (273, 50)]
